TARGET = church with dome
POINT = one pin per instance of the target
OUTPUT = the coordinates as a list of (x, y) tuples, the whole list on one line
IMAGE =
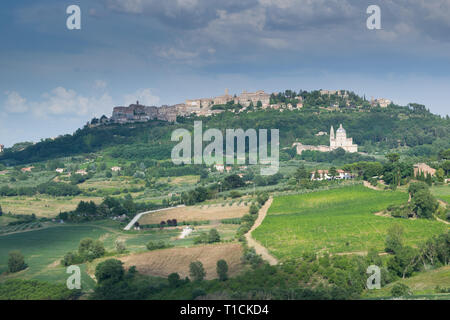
[(337, 140)]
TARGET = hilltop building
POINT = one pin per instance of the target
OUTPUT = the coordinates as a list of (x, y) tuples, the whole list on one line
[(139, 113), (420, 168), (2, 147), (382, 102), (338, 140)]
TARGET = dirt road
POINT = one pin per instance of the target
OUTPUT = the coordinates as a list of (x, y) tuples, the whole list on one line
[(255, 244)]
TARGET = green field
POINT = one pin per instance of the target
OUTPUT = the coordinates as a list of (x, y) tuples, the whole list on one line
[(336, 221), (44, 248), (441, 192)]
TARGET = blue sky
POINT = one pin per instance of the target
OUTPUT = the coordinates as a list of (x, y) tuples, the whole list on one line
[(53, 80)]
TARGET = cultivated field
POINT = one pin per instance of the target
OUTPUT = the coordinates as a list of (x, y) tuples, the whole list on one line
[(197, 213), (164, 262), (43, 205), (336, 221)]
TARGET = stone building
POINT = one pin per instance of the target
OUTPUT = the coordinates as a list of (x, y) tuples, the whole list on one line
[(382, 102), (253, 97), (139, 113), (338, 140), (423, 167)]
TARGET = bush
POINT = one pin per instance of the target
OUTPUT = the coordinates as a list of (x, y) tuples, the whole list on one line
[(90, 249), (155, 245), (213, 236), (111, 270), (196, 271), (222, 270), (198, 292), (174, 280), (254, 209), (400, 290), (120, 247), (16, 262)]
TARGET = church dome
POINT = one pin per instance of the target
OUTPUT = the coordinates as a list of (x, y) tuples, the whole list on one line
[(340, 130)]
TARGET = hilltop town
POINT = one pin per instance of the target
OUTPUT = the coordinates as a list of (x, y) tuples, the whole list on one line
[(246, 101)]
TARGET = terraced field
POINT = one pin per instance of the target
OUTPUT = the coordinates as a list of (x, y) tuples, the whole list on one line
[(336, 221)]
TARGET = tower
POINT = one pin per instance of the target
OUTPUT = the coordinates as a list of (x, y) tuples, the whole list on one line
[(332, 139)]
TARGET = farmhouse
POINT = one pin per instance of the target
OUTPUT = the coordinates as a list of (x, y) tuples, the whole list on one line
[(116, 169), (27, 169), (420, 168), (59, 170), (337, 141), (320, 175)]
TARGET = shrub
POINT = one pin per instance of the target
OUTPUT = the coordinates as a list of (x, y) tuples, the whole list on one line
[(155, 245), (174, 280), (213, 236), (110, 269), (16, 262), (222, 270), (400, 290), (196, 271)]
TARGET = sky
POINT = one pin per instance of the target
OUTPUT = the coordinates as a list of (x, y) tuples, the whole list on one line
[(53, 80)]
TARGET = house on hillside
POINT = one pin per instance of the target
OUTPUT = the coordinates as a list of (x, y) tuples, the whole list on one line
[(81, 172), (325, 175), (420, 168), (116, 169), (27, 169)]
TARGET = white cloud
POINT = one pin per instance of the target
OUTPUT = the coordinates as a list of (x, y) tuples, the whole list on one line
[(15, 103), (144, 96), (59, 102), (100, 84)]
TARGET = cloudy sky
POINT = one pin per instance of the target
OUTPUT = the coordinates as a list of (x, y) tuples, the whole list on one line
[(53, 80)]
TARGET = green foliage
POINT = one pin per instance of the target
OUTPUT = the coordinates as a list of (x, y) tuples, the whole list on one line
[(212, 236), (424, 204), (338, 156), (156, 245), (394, 238), (336, 220), (120, 247), (174, 280), (109, 270), (400, 290), (88, 250), (16, 262), (222, 270), (196, 271), (254, 209), (17, 289), (251, 258)]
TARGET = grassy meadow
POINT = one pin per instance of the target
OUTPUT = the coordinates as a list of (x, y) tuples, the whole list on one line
[(441, 192), (336, 221)]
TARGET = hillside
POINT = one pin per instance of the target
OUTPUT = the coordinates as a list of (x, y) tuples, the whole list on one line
[(415, 131)]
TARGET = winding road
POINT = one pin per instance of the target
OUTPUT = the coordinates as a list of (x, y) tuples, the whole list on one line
[(139, 215), (260, 249)]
